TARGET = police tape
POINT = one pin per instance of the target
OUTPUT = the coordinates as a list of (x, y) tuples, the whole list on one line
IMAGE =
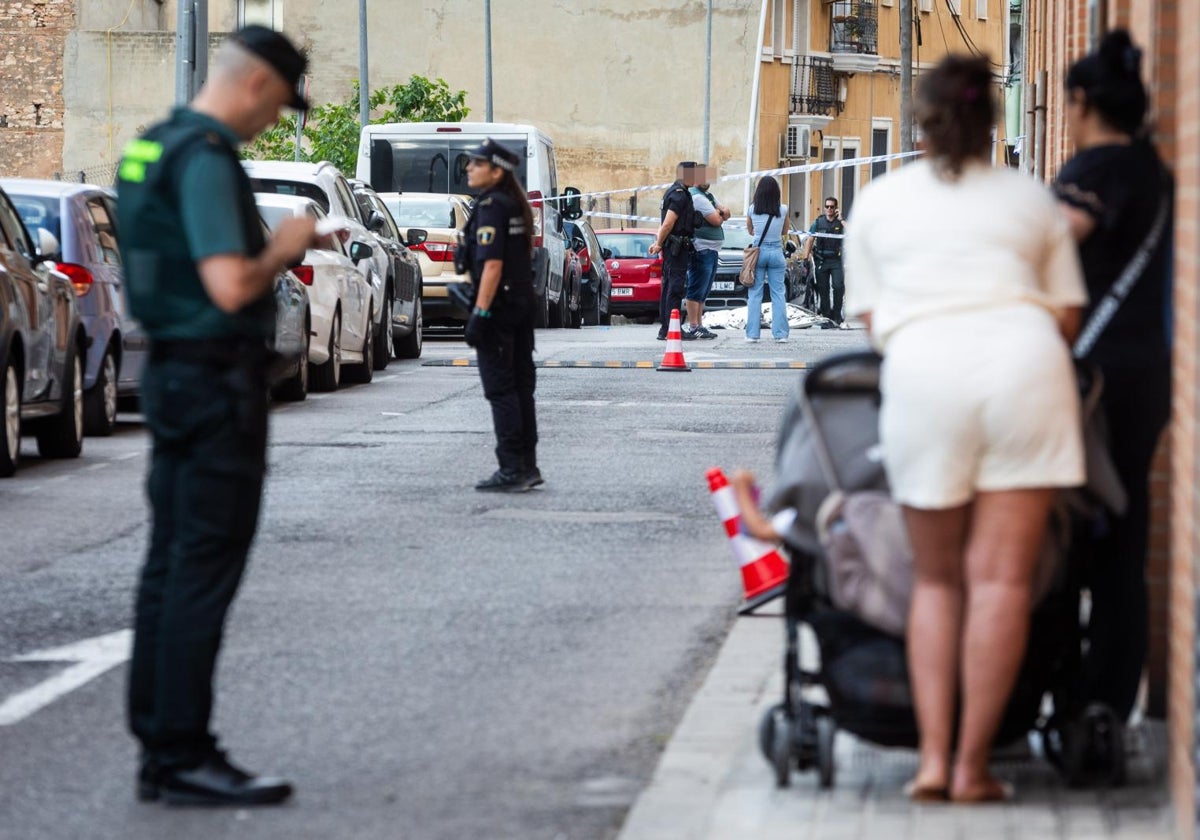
[(741, 176), (627, 217)]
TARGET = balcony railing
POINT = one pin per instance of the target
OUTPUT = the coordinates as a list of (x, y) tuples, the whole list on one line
[(814, 89), (853, 27)]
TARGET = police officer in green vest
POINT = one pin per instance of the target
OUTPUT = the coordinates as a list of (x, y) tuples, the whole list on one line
[(200, 277)]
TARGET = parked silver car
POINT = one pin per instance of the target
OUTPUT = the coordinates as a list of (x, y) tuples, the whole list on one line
[(82, 218)]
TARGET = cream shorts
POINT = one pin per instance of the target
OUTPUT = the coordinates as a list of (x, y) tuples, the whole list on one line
[(979, 401)]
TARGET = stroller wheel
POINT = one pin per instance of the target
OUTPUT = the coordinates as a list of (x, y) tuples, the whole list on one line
[(826, 735), (1105, 744), (775, 739), (766, 733)]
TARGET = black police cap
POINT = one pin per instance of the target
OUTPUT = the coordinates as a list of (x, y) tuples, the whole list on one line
[(275, 49), (495, 154)]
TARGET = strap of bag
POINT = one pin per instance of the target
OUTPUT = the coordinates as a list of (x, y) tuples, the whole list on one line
[(764, 233), (1103, 314)]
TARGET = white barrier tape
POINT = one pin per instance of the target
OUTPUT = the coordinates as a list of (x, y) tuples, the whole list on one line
[(741, 176), (622, 216)]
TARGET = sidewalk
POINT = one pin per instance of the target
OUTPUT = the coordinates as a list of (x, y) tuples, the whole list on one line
[(713, 784)]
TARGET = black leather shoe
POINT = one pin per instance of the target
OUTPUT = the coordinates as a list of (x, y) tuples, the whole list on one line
[(147, 780), (533, 477), (505, 481), (217, 782)]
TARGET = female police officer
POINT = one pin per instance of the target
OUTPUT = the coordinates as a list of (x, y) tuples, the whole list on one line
[(498, 246)]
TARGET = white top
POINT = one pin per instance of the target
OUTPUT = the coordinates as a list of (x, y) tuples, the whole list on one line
[(705, 207), (774, 237), (923, 246)]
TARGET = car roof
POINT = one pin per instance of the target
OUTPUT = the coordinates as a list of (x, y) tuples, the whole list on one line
[(45, 187), (284, 168), (424, 196)]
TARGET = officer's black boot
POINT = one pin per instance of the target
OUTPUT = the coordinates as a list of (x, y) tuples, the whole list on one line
[(532, 474), (505, 481)]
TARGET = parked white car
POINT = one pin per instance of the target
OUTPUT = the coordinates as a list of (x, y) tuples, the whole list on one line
[(441, 216), (340, 299), (324, 184)]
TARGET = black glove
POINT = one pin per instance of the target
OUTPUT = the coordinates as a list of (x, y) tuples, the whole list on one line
[(476, 326)]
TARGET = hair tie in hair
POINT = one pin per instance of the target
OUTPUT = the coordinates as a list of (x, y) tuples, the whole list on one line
[(970, 93)]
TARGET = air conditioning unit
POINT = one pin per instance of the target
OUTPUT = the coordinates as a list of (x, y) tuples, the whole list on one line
[(797, 141)]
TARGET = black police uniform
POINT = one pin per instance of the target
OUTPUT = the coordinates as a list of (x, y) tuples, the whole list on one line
[(496, 230), (204, 395), (827, 254), (677, 252)]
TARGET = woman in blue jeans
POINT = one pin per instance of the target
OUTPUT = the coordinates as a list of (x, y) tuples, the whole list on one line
[(768, 215)]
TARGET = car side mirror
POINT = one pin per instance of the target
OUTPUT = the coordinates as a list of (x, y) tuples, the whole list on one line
[(571, 209), (415, 236), (47, 245), (606, 253), (360, 251), (375, 222)]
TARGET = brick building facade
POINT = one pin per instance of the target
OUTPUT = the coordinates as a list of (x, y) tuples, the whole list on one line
[(34, 33), (1060, 31)]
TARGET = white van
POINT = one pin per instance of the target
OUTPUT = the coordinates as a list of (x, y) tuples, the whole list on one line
[(432, 158)]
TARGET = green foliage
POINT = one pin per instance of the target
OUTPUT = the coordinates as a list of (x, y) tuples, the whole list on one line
[(332, 130)]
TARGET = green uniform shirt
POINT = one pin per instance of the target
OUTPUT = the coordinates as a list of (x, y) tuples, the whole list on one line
[(183, 197)]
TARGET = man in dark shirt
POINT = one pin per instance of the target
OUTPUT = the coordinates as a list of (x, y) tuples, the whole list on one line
[(674, 242), (827, 253), (200, 276)]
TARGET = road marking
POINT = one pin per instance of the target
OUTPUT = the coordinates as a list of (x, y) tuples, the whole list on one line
[(616, 364), (394, 413), (92, 657), (593, 517), (98, 466), (127, 456)]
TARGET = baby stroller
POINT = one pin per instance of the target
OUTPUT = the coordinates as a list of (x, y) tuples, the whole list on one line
[(832, 425)]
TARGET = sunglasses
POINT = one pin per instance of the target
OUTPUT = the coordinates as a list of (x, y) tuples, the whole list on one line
[(830, 206)]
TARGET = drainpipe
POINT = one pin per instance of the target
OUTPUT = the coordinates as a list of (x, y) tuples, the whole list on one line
[(752, 130), (1039, 122)]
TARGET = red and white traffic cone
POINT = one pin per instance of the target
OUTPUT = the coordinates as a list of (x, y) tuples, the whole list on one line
[(764, 569), (673, 357)]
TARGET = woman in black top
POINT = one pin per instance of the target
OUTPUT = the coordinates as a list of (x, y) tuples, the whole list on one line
[(1112, 191)]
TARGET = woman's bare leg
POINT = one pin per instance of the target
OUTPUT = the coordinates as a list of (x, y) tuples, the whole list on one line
[(1007, 529), (939, 539)]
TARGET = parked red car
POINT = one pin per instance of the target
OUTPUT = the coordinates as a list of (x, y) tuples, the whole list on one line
[(636, 276)]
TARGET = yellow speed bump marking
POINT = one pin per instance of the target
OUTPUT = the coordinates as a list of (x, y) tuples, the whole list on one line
[(617, 364)]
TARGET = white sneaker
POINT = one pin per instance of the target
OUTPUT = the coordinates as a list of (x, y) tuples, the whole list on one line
[(783, 340), (750, 340)]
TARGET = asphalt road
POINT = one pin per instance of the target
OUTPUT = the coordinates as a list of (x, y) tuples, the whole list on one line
[(423, 660)]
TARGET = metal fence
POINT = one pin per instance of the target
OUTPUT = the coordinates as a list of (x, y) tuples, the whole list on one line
[(814, 90), (103, 175)]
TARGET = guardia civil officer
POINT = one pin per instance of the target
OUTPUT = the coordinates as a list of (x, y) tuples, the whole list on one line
[(498, 243), (827, 254), (674, 242), (200, 276)]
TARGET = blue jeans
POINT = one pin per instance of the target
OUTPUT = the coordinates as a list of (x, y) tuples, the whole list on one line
[(701, 270), (770, 269)]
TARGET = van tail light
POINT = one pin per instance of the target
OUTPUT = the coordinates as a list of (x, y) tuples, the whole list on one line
[(539, 216), (304, 273), (438, 252), (80, 277)]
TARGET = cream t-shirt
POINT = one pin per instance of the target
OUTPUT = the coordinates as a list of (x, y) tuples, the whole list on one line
[(919, 246)]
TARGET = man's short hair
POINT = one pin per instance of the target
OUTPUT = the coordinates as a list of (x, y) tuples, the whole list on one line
[(688, 164), (830, 198)]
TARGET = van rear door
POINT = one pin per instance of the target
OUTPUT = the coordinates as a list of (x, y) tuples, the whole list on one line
[(433, 164)]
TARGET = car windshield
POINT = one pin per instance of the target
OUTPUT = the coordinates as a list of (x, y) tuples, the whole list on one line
[(429, 164), (302, 188), (421, 212), (38, 212), (627, 245), (736, 235), (274, 215)]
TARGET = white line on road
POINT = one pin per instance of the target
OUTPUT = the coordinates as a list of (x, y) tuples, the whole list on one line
[(92, 657)]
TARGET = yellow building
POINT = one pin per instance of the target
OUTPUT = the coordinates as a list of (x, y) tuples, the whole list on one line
[(830, 84)]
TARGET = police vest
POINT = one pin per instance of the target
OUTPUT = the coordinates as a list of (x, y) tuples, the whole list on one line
[(685, 224), (704, 230), (162, 282), (824, 246)]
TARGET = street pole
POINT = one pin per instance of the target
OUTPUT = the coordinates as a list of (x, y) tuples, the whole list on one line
[(752, 130), (364, 86), (185, 51), (906, 98), (200, 44), (707, 81), (487, 59)]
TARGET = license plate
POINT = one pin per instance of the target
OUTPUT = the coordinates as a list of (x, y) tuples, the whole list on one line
[(723, 286), (622, 291)]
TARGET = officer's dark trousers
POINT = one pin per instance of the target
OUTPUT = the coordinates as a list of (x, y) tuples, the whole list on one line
[(674, 284), (1136, 405), (209, 426), (831, 287), (506, 370)]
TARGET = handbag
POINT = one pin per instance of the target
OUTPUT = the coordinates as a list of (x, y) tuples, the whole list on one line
[(750, 257)]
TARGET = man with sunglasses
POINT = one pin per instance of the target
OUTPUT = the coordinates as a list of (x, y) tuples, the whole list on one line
[(827, 253)]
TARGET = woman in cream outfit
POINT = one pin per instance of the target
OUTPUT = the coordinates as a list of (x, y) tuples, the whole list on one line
[(970, 285)]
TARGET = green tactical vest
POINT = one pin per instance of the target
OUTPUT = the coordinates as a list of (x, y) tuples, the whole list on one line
[(715, 233), (162, 283)]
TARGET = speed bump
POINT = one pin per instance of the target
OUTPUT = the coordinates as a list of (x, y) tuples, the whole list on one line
[(617, 364)]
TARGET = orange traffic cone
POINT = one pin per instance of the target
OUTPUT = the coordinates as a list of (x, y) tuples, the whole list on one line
[(764, 570), (673, 357)]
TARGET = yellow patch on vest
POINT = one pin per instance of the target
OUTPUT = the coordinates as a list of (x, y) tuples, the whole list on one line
[(138, 153), (486, 235)]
